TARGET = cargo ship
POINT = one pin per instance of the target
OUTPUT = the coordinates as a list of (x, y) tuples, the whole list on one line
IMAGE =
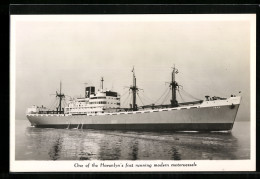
[(101, 110)]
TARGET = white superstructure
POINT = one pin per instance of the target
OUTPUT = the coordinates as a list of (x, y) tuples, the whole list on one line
[(100, 102)]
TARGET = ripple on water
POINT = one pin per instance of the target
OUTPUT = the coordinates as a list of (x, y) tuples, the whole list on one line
[(70, 144)]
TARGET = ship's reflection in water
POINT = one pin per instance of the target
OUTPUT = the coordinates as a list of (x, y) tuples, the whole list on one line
[(71, 144), (175, 154), (55, 150)]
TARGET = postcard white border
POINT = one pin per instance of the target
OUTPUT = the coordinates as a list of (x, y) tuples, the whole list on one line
[(201, 165)]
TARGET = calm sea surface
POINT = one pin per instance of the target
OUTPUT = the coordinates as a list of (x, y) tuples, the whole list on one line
[(71, 144)]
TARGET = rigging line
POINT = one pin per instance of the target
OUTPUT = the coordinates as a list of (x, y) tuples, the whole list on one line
[(50, 104), (150, 100), (165, 97), (187, 94), (124, 93), (190, 95), (54, 105), (130, 99), (147, 102), (140, 99), (146, 99), (64, 103), (181, 96), (125, 100), (161, 96)]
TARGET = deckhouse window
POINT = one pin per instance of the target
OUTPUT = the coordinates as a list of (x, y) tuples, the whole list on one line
[(111, 93), (102, 97)]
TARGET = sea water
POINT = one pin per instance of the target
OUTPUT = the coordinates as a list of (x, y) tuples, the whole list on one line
[(84, 144)]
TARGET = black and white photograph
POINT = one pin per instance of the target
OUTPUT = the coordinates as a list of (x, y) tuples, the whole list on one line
[(172, 92)]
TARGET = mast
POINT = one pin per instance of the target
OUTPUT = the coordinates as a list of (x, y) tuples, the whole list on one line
[(60, 95), (102, 80), (174, 85), (134, 90)]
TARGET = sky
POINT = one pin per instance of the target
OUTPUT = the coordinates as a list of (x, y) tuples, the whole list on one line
[(212, 56)]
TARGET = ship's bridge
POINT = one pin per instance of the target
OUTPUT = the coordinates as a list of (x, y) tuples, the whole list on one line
[(102, 101)]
